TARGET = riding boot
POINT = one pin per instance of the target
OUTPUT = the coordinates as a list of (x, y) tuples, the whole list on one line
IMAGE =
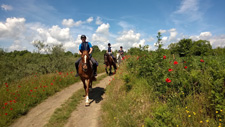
[(76, 65), (95, 69)]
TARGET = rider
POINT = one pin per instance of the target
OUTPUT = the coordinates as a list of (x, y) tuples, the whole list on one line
[(109, 51), (86, 46), (121, 51)]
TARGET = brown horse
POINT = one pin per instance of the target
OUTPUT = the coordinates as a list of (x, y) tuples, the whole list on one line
[(85, 72), (109, 62)]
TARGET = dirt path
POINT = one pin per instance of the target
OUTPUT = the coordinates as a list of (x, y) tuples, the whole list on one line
[(40, 115), (89, 116)]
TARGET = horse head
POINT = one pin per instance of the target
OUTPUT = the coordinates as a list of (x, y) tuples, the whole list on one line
[(85, 60)]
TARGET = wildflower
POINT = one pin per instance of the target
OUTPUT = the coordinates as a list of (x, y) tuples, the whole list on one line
[(19, 86), (217, 112), (168, 80), (221, 110), (187, 111), (220, 119), (6, 103), (51, 83), (189, 115), (170, 70), (175, 62), (185, 67), (164, 57), (31, 90), (201, 121), (207, 121), (114, 118), (6, 114), (202, 60), (194, 113), (11, 108)]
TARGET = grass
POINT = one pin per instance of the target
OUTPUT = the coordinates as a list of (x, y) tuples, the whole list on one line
[(62, 114), (17, 98)]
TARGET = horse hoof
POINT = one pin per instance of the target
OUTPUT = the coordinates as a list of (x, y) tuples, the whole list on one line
[(87, 104)]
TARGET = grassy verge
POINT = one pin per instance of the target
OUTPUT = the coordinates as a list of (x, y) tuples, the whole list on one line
[(152, 101), (17, 98), (62, 114)]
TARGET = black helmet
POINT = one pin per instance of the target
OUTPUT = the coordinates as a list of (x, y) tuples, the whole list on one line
[(109, 44), (82, 36), (121, 47)]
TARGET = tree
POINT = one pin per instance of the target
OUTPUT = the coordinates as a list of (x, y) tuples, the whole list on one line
[(201, 47), (95, 49), (184, 46), (159, 41)]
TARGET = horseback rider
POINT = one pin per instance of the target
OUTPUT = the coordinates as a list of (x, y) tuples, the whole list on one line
[(109, 51), (86, 46), (121, 51)]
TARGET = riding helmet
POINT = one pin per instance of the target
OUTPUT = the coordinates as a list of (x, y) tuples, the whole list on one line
[(109, 44), (82, 36), (121, 47)]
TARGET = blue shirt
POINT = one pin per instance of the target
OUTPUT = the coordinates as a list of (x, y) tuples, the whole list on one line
[(109, 49), (85, 46)]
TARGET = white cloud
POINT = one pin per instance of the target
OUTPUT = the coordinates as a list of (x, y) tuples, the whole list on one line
[(17, 45), (6, 7), (12, 28), (205, 35), (142, 43), (125, 25), (173, 34), (218, 41), (103, 29), (90, 19), (162, 31), (127, 39), (150, 39), (98, 21), (187, 6), (68, 22)]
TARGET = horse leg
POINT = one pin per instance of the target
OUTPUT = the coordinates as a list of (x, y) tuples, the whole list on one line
[(83, 80), (110, 69), (87, 93), (106, 70)]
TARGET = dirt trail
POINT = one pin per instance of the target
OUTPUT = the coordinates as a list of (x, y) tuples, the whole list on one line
[(89, 116), (40, 115)]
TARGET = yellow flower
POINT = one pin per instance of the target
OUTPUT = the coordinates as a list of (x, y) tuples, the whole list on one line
[(194, 113), (186, 107), (143, 126), (220, 119), (201, 121), (114, 118), (207, 121), (177, 126), (189, 115), (221, 110), (219, 126), (216, 111), (187, 111)]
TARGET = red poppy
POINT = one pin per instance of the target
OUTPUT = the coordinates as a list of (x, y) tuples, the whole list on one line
[(202, 60), (170, 70), (6, 85), (164, 57), (31, 90), (51, 83), (19, 86), (6, 114), (185, 67), (175, 62), (10, 101), (6, 103), (11, 108), (168, 80)]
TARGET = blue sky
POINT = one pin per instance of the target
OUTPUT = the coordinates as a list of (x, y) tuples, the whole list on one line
[(127, 23)]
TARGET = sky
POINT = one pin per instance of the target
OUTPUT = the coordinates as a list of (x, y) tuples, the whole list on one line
[(127, 23)]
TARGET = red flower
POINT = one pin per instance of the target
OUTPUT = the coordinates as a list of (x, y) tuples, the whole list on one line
[(170, 70), (19, 86), (6, 83), (168, 80), (11, 108), (138, 57), (185, 67), (164, 57), (6, 103), (6, 114), (175, 62), (202, 60), (184, 61), (31, 90), (51, 83)]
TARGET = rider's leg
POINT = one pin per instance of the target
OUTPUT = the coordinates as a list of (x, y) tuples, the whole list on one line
[(94, 66), (76, 65)]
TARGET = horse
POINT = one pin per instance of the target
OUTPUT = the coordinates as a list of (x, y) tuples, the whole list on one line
[(118, 58), (86, 73), (109, 62)]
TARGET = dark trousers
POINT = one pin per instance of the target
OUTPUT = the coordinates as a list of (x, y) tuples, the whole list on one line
[(95, 64)]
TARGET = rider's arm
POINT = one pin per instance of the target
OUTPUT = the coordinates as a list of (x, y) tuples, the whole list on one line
[(91, 49), (80, 52), (80, 49)]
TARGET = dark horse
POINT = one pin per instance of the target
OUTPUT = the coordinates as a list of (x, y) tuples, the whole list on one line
[(85, 72), (109, 62)]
